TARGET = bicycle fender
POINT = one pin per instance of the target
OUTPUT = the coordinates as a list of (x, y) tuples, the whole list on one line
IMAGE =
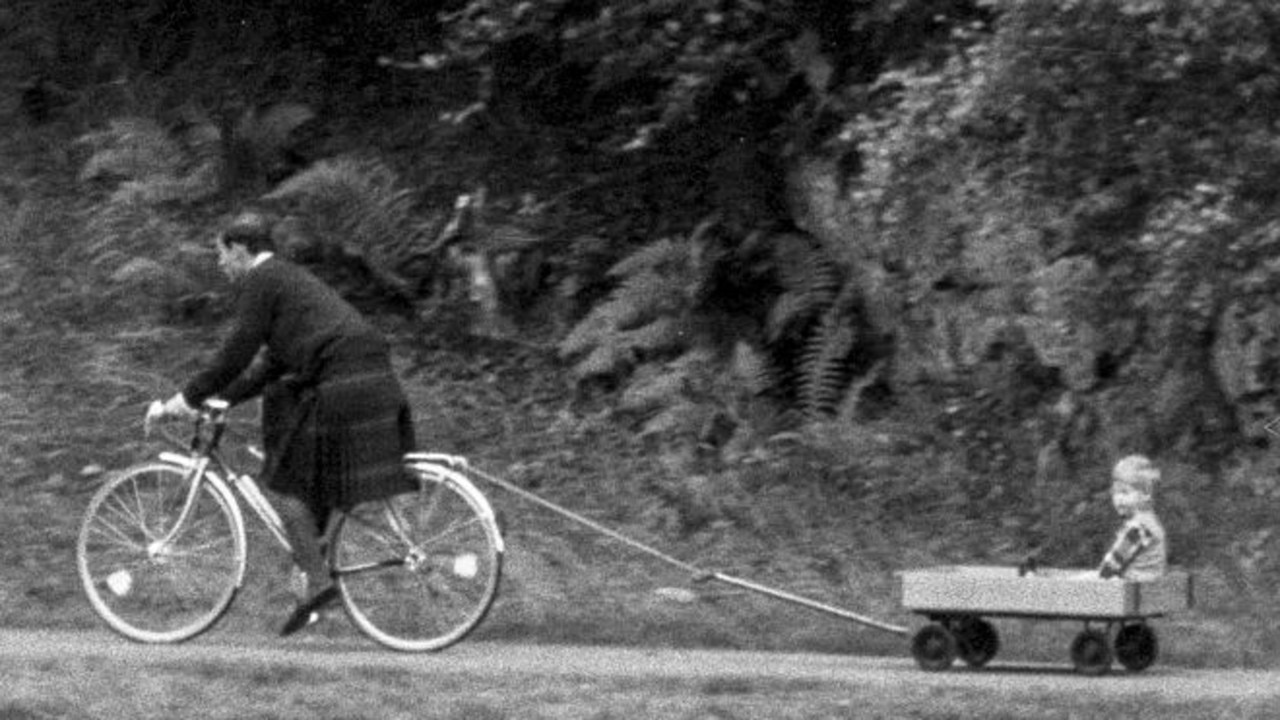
[(180, 460)]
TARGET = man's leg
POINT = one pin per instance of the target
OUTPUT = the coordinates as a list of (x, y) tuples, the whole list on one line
[(300, 527)]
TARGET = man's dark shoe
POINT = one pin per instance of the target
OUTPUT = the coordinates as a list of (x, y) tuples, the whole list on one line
[(301, 616)]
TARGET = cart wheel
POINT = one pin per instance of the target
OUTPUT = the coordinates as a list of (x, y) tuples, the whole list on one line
[(1090, 653), (934, 648), (976, 641), (1136, 647)]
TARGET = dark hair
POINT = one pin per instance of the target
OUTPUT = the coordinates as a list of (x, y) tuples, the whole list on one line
[(251, 229)]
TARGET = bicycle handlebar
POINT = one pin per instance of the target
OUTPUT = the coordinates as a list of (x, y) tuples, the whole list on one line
[(212, 412)]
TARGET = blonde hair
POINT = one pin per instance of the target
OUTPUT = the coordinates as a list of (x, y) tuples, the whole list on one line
[(1136, 472)]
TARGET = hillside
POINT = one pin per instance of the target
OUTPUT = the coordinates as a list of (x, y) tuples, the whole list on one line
[(798, 312)]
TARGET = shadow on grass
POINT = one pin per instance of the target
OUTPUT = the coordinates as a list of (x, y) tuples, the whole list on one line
[(21, 710)]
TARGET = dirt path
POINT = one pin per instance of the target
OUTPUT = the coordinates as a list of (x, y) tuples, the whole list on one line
[(506, 660)]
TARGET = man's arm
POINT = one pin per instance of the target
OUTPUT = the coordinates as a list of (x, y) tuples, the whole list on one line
[(254, 308), (262, 370)]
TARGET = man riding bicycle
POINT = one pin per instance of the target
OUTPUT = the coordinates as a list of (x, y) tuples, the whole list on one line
[(335, 420)]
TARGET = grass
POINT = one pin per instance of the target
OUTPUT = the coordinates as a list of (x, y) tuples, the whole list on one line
[(563, 583), (75, 377), (75, 393), (74, 689)]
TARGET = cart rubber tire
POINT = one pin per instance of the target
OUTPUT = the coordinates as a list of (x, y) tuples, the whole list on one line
[(976, 640), (934, 648), (1136, 647), (1091, 653)]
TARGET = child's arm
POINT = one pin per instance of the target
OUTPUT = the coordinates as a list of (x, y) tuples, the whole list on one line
[(1132, 540)]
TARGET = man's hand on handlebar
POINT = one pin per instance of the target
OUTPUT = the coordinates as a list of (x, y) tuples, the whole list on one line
[(175, 406)]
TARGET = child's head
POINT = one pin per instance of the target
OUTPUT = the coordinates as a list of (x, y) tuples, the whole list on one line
[(1133, 484)]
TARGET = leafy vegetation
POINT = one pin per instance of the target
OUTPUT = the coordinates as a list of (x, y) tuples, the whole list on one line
[(935, 263)]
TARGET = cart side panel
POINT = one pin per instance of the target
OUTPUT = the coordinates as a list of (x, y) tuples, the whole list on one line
[(992, 590), (1169, 593), (989, 591)]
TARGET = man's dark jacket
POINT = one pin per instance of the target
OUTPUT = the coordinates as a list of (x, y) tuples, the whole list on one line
[(335, 420)]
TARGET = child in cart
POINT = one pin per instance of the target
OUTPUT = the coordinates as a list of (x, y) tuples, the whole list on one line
[(1139, 551)]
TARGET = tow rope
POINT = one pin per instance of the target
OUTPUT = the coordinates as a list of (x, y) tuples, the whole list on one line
[(698, 574)]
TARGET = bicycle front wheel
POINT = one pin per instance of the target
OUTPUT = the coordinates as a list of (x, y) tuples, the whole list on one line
[(150, 579), (420, 570)]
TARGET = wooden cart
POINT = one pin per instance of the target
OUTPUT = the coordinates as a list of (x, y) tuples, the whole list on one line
[(959, 599)]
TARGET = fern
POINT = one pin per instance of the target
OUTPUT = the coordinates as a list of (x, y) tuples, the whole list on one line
[(357, 199), (642, 298), (847, 411), (357, 213), (795, 353), (654, 388), (189, 163), (265, 132), (131, 148), (124, 240), (589, 332), (602, 360), (681, 415), (824, 373), (803, 350), (809, 280), (753, 369), (662, 333), (151, 164), (676, 394), (662, 255), (643, 316)]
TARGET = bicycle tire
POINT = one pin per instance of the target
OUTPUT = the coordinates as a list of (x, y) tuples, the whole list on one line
[(149, 589), (426, 587)]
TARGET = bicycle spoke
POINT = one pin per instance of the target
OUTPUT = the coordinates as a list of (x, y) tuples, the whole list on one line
[(115, 532), (420, 570), (200, 550), (129, 517), (142, 513), (195, 525), (373, 529), (368, 567), (453, 529), (135, 565), (157, 590), (196, 576), (398, 524)]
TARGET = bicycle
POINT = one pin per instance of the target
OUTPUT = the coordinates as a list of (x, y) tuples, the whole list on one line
[(162, 549)]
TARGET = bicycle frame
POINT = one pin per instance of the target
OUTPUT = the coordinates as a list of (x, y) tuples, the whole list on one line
[(161, 552), (203, 464), (231, 484)]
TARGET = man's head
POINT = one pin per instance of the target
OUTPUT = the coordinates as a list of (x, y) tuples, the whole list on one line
[(1133, 484), (249, 234)]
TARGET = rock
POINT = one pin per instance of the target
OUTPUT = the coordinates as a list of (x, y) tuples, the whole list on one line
[(1059, 325)]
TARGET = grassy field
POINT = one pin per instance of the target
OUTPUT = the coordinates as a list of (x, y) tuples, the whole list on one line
[(79, 399), (72, 393), (265, 690)]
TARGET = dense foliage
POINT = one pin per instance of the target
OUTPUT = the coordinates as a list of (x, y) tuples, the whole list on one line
[(998, 243)]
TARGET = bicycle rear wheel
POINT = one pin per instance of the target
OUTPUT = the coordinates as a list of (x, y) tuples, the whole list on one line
[(148, 580), (419, 571)]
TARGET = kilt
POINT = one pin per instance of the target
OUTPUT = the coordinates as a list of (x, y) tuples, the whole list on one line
[(341, 441)]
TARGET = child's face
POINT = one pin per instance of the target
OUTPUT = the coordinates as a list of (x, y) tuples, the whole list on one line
[(1126, 500), (233, 259)]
